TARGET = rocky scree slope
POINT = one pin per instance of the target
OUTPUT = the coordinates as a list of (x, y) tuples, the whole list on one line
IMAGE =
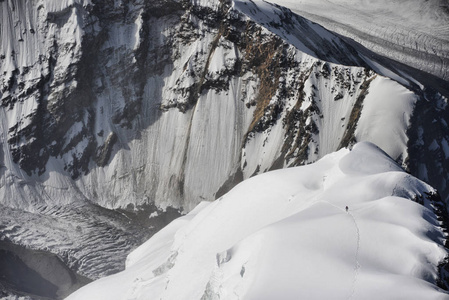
[(163, 104)]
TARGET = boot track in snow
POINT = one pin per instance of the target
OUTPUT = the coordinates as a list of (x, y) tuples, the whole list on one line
[(357, 264)]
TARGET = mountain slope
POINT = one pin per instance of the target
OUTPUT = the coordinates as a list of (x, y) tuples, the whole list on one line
[(117, 115), (286, 235), (79, 128), (172, 74)]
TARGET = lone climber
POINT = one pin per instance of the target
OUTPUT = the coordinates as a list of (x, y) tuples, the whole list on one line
[(347, 208)]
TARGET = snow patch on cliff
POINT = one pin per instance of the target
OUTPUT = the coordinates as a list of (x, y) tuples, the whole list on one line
[(386, 116)]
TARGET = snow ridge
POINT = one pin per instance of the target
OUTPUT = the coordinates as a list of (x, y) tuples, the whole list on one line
[(260, 242)]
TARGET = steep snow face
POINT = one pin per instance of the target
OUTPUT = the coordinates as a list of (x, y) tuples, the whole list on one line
[(383, 114), (286, 235), (413, 32), (136, 103)]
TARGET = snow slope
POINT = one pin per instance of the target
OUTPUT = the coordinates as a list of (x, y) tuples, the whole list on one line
[(286, 235)]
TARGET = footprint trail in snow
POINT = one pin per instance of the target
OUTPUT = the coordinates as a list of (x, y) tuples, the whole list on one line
[(357, 264)]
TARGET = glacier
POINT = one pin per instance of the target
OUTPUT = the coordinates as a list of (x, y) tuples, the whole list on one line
[(112, 112), (285, 234), (412, 32)]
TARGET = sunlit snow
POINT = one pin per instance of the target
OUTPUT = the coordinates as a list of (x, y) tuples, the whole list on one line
[(286, 235)]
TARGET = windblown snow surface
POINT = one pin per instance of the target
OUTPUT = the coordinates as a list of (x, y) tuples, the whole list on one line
[(285, 234)]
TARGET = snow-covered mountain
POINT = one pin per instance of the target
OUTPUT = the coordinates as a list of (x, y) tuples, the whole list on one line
[(285, 234), (115, 110), (144, 99)]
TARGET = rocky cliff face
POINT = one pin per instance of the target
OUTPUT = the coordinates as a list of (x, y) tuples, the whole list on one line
[(125, 104)]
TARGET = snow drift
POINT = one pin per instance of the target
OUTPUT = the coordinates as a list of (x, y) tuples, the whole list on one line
[(286, 235)]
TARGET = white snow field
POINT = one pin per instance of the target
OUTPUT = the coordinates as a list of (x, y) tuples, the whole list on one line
[(286, 235)]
